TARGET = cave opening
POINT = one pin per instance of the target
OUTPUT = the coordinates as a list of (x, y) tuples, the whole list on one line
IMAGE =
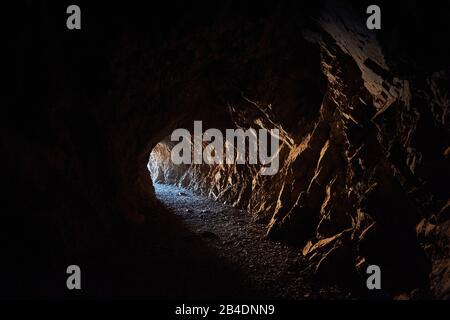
[(214, 204), (158, 163), (210, 179)]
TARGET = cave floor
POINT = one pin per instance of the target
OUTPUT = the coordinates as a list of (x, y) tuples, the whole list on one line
[(274, 270)]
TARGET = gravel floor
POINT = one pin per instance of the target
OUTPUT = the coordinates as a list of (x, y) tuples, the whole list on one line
[(275, 269)]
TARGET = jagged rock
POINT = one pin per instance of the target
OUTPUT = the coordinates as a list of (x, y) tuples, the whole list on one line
[(332, 257), (359, 162), (363, 119), (425, 230)]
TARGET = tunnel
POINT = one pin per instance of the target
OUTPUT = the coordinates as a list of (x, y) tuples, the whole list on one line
[(361, 122)]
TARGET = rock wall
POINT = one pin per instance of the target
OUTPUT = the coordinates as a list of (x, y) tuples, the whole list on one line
[(363, 118), (362, 176)]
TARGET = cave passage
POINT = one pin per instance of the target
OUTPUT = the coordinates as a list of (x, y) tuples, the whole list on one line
[(270, 268), (364, 150)]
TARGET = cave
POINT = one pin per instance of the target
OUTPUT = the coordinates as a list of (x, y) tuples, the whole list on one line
[(362, 121)]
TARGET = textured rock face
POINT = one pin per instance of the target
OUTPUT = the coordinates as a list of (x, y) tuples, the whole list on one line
[(360, 166), (363, 118)]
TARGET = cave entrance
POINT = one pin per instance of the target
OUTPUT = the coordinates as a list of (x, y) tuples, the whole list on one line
[(201, 180), (207, 203), (193, 192), (159, 164)]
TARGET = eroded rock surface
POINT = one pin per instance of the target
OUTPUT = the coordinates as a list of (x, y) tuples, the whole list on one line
[(358, 175), (363, 117)]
